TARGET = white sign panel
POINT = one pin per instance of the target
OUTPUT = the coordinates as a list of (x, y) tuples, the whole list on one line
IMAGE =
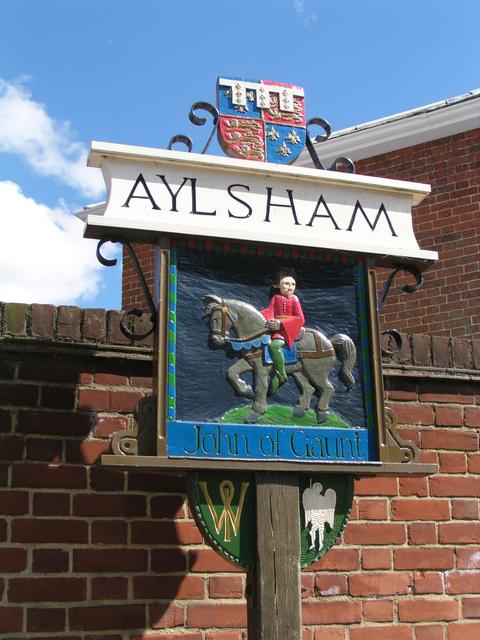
[(152, 192)]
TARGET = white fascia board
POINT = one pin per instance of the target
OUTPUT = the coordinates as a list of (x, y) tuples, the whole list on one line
[(399, 131), (100, 150)]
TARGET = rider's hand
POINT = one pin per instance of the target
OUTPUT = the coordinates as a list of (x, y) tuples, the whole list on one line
[(273, 325)]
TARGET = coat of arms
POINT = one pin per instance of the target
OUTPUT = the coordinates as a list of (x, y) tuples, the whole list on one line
[(261, 120)]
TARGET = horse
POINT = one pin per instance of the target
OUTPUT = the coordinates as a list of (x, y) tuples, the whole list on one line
[(317, 357)]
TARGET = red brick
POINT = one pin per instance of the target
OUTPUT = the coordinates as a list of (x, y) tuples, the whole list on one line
[(473, 463), (50, 561), (472, 416), (57, 397), (110, 379), (427, 610), (225, 635), (449, 416), (378, 611), (12, 559), (226, 587), (381, 633), (413, 486), (157, 482), (44, 449), (374, 533), (330, 633), (217, 615), (330, 584), (108, 425), (209, 561), (102, 479), (115, 588), (471, 607), (110, 532), (13, 502), (422, 533), (338, 559), (459, 533), (429, 582), (376, 487), (110, 560), (55, 423), (452, 462), (18, 395), (150, 532), (448, 439), (11, 619), (47, 589), (468, 558), (93, 400), (464, 631), (42, 620), (94, 324), (166, 616), (429, 632), (51, 504), (169, 587), (332, 612), (412, 413), (49, 476), (421, 509), (372, 509), (418, 558), (86, 451), (107, 505), (167, 507), (68, 322), (376, 559), (168, 560), (379, 584), (455, 487), (125, 401), (465, 509), (43, 320), (41, 530), (107, 617), (462, 582)]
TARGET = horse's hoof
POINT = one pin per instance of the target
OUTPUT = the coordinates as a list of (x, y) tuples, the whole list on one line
[(298, 412), (322, 416), (252, 417)]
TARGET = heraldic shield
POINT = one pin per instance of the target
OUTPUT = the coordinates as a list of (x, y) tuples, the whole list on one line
[(261, 120)]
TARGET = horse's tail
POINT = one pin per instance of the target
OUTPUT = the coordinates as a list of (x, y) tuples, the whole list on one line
[(346, 352)]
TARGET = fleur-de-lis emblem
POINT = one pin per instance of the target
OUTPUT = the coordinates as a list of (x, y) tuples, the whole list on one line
[(293, 137), (273, 134), (283, 150)]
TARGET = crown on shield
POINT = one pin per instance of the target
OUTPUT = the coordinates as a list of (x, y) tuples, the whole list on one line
[(262, 121)]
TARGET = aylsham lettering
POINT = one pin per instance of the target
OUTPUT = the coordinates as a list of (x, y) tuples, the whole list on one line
[(242, 209)]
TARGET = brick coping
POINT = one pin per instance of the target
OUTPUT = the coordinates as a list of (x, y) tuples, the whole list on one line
[(37, 324)]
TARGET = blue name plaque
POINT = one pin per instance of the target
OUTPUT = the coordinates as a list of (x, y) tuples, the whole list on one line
[(212, 440)]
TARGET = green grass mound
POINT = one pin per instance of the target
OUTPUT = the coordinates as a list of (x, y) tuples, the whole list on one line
[(280, 414)]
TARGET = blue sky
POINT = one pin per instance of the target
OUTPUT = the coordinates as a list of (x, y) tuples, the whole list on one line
[(128, 72)]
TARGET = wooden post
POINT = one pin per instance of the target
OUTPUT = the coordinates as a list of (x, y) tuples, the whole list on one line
[(274, 605)]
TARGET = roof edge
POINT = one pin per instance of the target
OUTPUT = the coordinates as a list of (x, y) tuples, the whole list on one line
[(398, 131)]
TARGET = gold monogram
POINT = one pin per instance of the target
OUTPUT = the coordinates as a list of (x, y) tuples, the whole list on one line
[(227, 518)]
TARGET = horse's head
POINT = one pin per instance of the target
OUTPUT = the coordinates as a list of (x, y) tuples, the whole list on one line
[(220, 319)]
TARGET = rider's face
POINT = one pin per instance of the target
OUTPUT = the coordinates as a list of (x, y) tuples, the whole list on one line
[(287, 286)]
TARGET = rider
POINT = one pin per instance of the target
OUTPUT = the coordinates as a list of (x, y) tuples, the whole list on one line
[(284, 318)]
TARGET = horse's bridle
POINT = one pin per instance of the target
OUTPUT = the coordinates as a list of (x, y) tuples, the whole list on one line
[(222, 332)]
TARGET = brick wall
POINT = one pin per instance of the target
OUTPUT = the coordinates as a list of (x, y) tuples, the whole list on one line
[(449, 304), (87, 553)]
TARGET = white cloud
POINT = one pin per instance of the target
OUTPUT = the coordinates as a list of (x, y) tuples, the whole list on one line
[(43, 256), (307, 16), (49, 147)]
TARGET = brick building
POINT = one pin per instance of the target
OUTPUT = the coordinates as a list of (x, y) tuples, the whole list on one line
[(89, 553)]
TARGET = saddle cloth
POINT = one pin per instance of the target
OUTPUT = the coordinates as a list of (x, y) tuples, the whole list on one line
[(290, 355)]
